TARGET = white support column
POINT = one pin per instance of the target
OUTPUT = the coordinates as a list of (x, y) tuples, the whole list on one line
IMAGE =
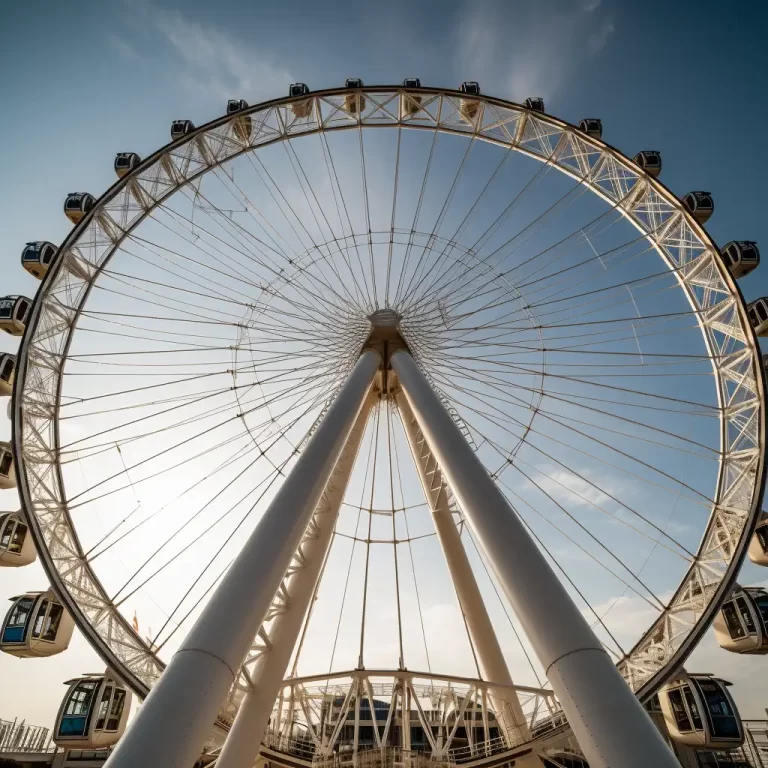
[(171, 727), (612, 728), (243, 742), (492, 663)]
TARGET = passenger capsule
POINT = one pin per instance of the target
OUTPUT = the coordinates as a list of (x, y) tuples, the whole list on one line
[(700, 204), (740, 256), (7, 373), (535, 103), (240, 125), (16, 545), (125, 162), (649, 161), (37, 257), (592, 127), (700, 713), (36, 625), (94, 712), (77, 205), (741, 625), (758, 544), (468, 107), (756, 310), (181, 128), (301, 108), (354, 103), (410, 103), (14, 312), (7, 469)]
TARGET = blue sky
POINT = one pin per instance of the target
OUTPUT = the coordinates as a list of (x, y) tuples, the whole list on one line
[(110, 76)]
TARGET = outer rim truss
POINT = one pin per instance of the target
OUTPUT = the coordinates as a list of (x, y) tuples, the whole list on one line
[(650, 207)]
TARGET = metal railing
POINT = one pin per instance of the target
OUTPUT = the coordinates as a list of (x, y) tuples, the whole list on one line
[(18, 737)]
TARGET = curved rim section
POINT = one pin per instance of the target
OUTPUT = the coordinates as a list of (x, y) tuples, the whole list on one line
[(653, 209)]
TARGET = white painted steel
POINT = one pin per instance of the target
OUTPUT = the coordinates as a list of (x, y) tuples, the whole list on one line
[(494, 668), (172, 725), (612, 728), (242, 745)]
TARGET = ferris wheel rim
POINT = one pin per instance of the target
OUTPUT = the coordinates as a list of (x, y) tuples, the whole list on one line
[(566, 129)]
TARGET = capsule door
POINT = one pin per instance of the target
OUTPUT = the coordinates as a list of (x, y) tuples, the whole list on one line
[(16, 545), (93, 714), (7, 470), (7, 373)]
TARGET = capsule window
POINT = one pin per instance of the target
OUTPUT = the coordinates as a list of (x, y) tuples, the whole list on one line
[(694, 710), (21, 310), (761, 601), (682, 721), (47, 255), (101, 716), (724, 722), (5, 464), (6, 310), (17, 621), (74, 721), (7, 370), (746, 616), (116, 710), (47, 622), (731, 616), (761, 312)]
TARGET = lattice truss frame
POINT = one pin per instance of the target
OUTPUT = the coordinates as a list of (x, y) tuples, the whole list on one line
[(649, 205)]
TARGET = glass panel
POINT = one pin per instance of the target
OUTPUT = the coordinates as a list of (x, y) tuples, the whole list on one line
[(731, 616), (52, 622), (74, 721), (5, 463), (746, 615), (101, 715), (17, 540), (724, 721), (690, 700), (5, 534), (761, 601), (116, 710), (762, 311), (37, 629), (6, 310), (682, 721), (21, 310), (15, 626), (762, 537), (30, 254)]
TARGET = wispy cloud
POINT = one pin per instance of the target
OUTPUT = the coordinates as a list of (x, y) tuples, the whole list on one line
[(213, 61), (534, 50)]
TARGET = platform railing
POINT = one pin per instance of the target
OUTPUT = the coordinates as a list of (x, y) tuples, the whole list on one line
[(19, 737)]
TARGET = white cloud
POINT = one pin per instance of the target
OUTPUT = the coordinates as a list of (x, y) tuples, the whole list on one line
[(598, 39), (216, 63), (534, 51)]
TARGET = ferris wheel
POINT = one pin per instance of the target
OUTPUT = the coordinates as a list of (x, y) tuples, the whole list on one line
[(386, 421)]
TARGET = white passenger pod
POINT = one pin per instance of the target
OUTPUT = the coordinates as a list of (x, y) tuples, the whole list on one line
[(740, 256), (700, 713), (303, 107), (16, 545), (241, 125), (649, 161), (37, 257), (37, 625), (535, 103), (740, 625), (125, 162), (7, 469), (94, 712), (14, 311), (354, 103), (181, 128), (758, 544), (467, 106), (700, 204), (7, 373), (77, 205), (592, 127), (410, 103), (758, 316)]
